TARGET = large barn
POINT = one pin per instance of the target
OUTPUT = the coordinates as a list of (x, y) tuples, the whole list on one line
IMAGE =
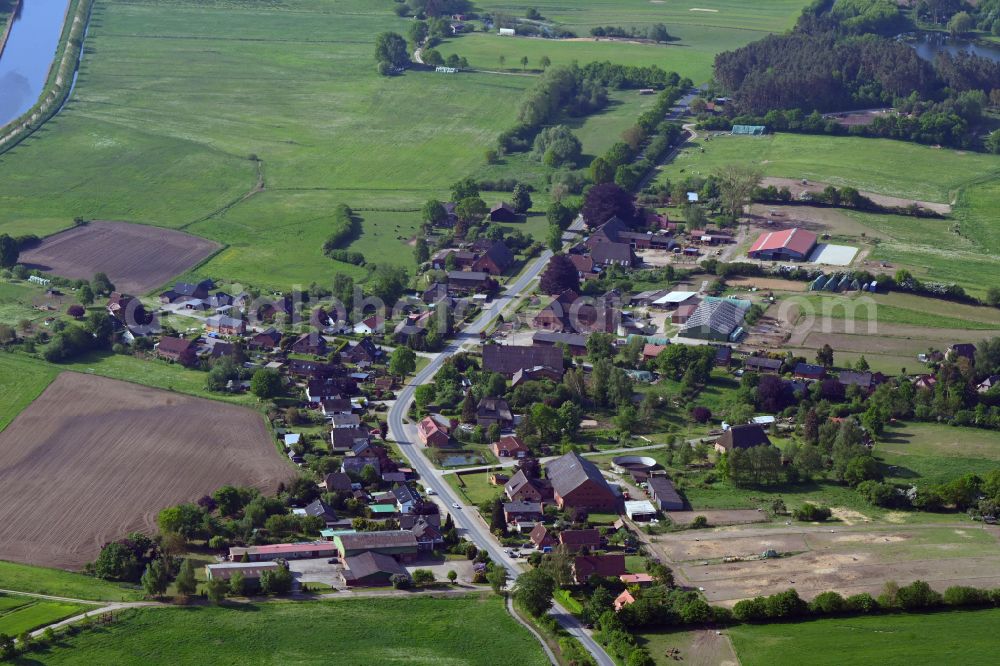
[(789, 245)]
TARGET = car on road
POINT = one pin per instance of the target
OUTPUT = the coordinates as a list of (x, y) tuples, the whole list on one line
[(431, 491), (456, 506)]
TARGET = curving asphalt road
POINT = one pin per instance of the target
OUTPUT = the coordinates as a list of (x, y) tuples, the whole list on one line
[(466, 520)]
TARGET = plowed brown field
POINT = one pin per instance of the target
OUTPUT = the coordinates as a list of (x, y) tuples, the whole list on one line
[(137, 258), (93, 458)]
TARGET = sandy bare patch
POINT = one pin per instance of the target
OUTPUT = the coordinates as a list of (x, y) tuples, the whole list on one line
[(94, 458), (136, 257), (796, 187), (771, 284), (700, 9), (849, 516)]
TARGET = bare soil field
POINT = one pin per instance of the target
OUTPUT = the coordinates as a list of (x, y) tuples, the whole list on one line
[(137, 258), (93, 458), (796, 187), (845, 559), (818, 220)]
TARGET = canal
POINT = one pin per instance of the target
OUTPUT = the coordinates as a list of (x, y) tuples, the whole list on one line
[(28, 55)]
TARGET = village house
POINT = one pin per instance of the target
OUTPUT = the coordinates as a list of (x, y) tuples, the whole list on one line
[(866, 381), (178, 350), (683, 313), (623, 599), (509, 446), (469, 282), (962, 350), (356, 466), (613, 254), (579, 539), (345, 439), (584, 265), (337, 482), (742, 436), (331, 407), (541, 538), (309, 343), (449, 257), (428, 535), (522, 488), (988, 384), (496, 259), (575, 343), (435, 430), (578, 483), (567, 314), (186, 291), (762, 364), (503, 212), (266, 340), (535, 375), (399, 544), (370, 325), (371, 569), (508, 359), (365, 351), (341, 421), (224, 325), (320, 509), (494, 411), (585, 566), (516, 511), (808, 371), (406, 498)]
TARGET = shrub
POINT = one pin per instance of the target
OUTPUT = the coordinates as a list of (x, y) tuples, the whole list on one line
[(701, 414), (917, 595), (812, 513), (699, 522), (961, 595), (828, 603)]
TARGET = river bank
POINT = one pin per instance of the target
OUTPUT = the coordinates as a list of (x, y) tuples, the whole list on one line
[(60, 77), (6, 21)]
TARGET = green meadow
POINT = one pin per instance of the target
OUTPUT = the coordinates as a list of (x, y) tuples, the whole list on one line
[(21, 380), (956, 637), (59, 583), (701, 30), (19, 614), (418, 630)]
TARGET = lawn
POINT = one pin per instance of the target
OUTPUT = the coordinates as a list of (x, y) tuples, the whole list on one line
[(19, 614), (958, 637), (21, 381), (59, 583), (418, 630), (932, 439), (477, 488)]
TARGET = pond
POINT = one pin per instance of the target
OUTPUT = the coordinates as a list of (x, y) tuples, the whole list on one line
[(928, 45), (28, 55), (457, 460)]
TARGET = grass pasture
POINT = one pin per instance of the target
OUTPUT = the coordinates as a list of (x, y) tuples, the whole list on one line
[(948, 637), (364, 631), (21, 381), (19, 614), (702, 29), (59, 583), (133, 451)]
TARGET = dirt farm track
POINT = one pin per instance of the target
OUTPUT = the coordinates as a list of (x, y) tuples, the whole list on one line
[(94, 458), (137, 258)]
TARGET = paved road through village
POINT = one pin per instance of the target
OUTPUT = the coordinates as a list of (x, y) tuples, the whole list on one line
[(466, 519)]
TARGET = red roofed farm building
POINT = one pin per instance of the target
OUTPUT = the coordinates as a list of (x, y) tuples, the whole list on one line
[(789, 245)]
